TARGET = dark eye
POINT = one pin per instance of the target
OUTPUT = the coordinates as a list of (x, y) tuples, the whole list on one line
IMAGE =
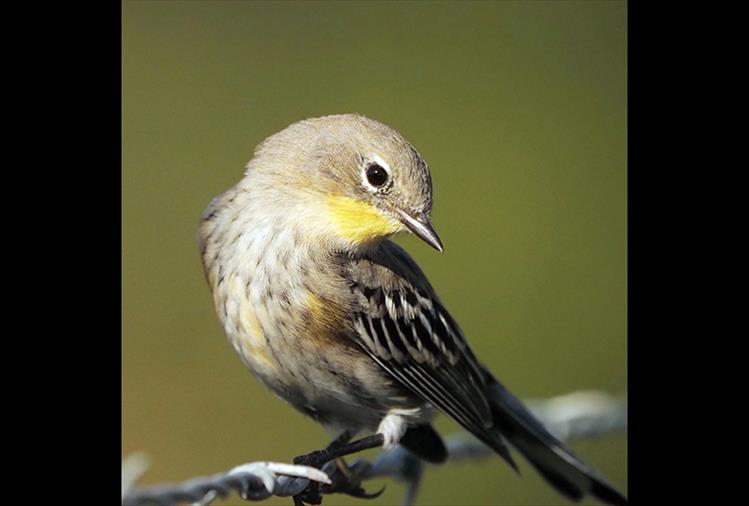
[(376, 175)]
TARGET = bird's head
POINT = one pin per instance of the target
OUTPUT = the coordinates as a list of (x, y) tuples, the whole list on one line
[(357, 181)]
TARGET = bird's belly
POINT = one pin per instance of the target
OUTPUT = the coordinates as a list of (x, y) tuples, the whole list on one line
[(295, 343), (341, 388), (352, 409)]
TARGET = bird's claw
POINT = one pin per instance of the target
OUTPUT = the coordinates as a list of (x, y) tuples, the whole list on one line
[(311, 494)]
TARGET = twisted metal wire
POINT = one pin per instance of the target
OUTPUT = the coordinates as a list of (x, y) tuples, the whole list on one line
[(579, 415)]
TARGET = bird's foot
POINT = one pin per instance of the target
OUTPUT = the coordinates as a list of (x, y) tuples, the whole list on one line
[(319, 458), (316, 459), (346, 480), (310, 495), (343, 481)]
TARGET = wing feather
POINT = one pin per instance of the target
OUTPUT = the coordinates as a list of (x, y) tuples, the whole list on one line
[(405, 328)]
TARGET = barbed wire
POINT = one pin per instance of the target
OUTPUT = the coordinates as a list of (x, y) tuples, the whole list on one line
[(579, 415)]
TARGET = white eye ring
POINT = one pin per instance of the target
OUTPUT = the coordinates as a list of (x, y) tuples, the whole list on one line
[(372, 161)]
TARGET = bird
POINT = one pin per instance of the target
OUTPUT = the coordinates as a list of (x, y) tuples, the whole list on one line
[(339, 321)]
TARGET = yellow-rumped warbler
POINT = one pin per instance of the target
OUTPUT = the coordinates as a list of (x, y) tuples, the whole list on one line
[(341, 322)]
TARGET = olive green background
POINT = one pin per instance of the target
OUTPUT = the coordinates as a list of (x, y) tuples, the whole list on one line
[(520, 110)]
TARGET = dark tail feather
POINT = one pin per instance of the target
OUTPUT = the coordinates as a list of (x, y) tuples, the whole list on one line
[(494, 440), (424, 442), (554, 461)]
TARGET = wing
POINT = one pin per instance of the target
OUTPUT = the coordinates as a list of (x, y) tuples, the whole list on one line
[(401, 323)]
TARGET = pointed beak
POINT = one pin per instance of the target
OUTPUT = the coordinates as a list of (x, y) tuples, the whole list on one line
[(422, 228)]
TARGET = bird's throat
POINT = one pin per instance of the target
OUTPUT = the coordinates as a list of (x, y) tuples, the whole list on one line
[(358, 222)]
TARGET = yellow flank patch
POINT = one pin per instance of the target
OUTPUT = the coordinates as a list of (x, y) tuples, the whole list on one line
[(359, 222), (253, 341), (325, 319), (261, 358)]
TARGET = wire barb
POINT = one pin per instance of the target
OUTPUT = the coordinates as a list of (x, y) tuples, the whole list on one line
[(579, 415)]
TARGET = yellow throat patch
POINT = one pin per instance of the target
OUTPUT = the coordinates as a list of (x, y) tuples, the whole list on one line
[(359, 222)]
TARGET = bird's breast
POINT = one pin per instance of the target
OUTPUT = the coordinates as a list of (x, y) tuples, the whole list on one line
[(286, 309)]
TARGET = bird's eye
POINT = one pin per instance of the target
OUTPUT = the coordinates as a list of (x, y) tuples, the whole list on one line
[(376, 175)]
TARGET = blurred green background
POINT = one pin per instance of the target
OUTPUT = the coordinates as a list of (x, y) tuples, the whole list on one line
[(520, 109)]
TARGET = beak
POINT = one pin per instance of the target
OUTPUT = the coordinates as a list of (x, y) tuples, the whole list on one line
[(422, 228)]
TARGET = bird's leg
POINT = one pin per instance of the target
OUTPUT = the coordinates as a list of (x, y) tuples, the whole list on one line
[(338, 449), (318, 457), (343, 438), (365, 443)]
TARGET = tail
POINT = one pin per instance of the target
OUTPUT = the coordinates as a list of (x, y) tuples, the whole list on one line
[(554, 461)]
